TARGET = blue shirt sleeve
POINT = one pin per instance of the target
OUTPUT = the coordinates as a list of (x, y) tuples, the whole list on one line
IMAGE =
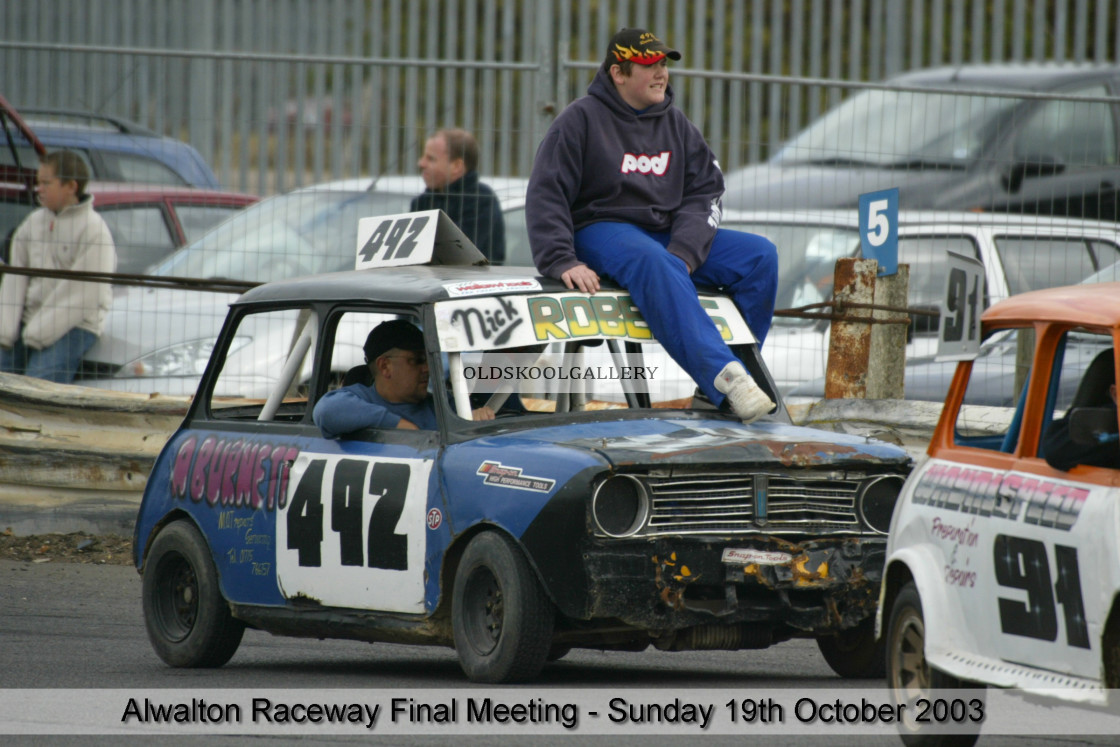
[(350, 409), (358, 406)]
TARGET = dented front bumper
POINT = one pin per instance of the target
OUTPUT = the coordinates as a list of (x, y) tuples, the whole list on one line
[(814, 587)]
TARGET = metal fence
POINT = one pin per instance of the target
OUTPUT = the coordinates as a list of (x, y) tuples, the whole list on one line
[(282, 93), (278, 94)]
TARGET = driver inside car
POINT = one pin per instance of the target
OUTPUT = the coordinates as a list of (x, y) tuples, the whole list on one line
[(398, 396), (1097, 389)]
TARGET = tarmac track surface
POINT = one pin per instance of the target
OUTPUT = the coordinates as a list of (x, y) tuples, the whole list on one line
[(74, 625)]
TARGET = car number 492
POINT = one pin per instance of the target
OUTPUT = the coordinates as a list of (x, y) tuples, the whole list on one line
[(354, 531), (388, 486)]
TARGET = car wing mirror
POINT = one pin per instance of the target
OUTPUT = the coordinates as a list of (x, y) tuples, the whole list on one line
[(1029, 166), (1089, 426)]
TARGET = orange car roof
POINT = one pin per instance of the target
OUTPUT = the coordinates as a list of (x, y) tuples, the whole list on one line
[(1096, 304)]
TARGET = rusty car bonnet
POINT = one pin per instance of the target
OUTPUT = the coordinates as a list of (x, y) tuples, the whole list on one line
[(690, 442)]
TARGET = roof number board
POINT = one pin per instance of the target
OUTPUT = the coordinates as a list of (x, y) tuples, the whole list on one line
[(426, 237), (961, 306)]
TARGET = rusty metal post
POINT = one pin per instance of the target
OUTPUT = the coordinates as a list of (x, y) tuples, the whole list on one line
[(849, 343), (887, 358)]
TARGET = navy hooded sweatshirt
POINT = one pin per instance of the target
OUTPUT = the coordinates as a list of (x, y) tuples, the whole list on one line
[(603, 161)]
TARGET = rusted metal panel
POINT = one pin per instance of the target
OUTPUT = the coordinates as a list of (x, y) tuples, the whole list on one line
[(849, 343), (887, 356), (676, 583)]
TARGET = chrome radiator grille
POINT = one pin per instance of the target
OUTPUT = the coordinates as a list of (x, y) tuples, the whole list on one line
[(743, 502)]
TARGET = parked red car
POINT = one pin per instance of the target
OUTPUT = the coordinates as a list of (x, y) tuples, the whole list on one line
[(149, 221), (17, 179)]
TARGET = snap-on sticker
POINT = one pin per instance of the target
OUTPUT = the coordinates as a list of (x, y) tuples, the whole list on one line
[(511, 477)]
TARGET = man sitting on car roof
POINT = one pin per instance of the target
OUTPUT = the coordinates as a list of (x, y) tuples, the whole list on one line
[(398, 396)]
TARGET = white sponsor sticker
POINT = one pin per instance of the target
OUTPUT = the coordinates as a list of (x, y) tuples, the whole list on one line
[(478, 287), (755, 557)]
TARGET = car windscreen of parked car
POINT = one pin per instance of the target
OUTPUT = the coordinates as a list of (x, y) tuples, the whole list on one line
[(160, 339), (898, 129), (300, 233), (1022, 139), (117, 149)]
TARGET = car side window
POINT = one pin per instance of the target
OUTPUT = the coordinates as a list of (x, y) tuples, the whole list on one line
[(1037, 262), (1106, 252), (346, 357), (518, 253), (1080, 134), (928, 270), (266, 371), (1085, 372), (143, 170), (140, 234), (993, 400)]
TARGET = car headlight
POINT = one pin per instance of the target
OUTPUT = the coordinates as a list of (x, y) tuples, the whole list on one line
[(620, 505), (877, 499), (185, 359)]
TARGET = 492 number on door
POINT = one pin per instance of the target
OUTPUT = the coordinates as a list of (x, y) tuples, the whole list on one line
[(353, 532)]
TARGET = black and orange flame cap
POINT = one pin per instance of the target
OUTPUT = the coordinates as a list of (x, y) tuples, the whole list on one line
[(639, 46)]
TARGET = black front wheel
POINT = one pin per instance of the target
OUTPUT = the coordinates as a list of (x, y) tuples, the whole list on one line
[(188, 620), (501, 618), (854, 653)]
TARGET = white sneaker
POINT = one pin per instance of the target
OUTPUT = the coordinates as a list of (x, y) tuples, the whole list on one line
[(747, 401)]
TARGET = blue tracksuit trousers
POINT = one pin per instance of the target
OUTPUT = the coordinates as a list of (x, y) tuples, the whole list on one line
[(743, 264)]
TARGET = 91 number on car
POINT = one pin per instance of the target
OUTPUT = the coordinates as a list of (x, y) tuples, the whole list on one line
[(961, 306), (1022, 563)]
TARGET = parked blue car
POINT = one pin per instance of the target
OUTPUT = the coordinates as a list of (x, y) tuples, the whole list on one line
[(117, 150)]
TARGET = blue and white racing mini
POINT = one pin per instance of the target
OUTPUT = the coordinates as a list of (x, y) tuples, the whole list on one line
[(599, 509)]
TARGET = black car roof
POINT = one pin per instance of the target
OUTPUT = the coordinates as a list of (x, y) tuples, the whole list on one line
[(409, 285), (1023, 76)]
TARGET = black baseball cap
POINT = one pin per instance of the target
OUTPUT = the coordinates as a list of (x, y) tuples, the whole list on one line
[(395, 333), (638, 46)]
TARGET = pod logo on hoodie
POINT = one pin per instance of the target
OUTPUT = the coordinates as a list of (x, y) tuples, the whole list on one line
[(646, 164)]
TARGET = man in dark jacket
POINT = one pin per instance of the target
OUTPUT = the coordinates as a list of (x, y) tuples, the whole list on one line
[(625, 185), (448, 167), (1097, 389)]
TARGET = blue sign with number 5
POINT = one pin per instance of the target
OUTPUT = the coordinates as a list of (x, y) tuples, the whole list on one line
[(878, 229)]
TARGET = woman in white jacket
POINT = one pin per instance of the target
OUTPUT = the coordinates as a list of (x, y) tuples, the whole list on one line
[(47, 324)]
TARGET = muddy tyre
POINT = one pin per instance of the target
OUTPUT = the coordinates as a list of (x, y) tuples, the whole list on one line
[(189, 623), (501, 618), (854, 653), (910, 675)]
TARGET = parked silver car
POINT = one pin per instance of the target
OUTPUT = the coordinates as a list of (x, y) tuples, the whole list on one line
[(956, 138), (160, 339), (1019, 253)]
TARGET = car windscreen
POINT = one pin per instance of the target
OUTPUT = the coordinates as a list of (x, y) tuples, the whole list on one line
[(300, 233), (898, 129), (807, 256), (566, 351)]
